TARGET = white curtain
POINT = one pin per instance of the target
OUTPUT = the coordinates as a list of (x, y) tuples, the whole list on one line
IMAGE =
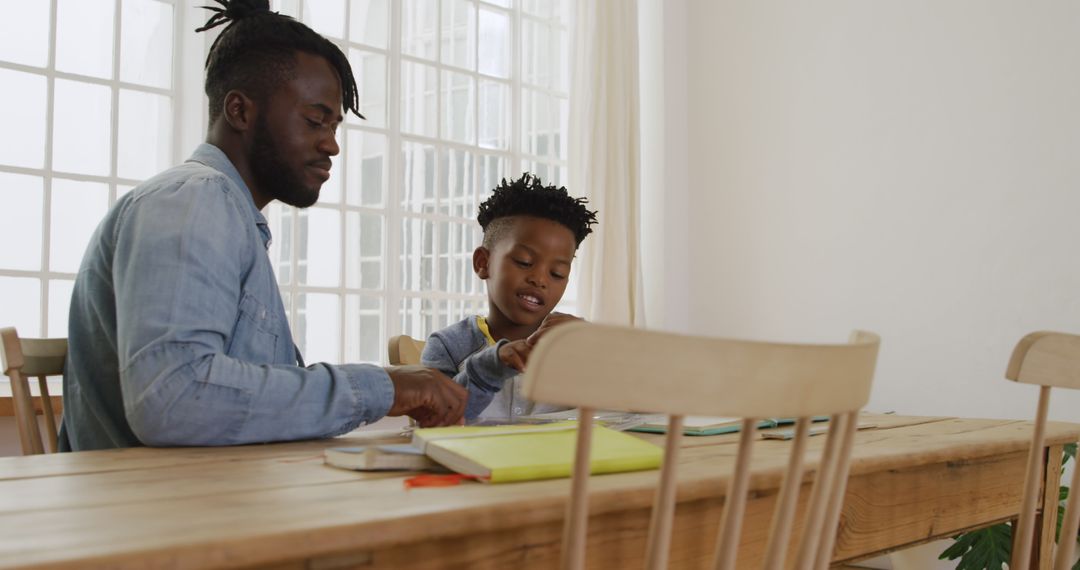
[(604, 157)]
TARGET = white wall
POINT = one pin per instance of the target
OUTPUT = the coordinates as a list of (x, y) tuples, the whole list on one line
[(909, 167)]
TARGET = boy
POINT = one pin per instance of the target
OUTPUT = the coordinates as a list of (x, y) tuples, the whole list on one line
[(531, 234)]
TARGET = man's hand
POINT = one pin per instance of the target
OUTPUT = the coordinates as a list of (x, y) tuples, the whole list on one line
[(550, 321), (427, 395), (515, 353)]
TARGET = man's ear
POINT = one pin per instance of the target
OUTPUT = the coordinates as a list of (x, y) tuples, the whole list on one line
[(239, 111), (480, 258)]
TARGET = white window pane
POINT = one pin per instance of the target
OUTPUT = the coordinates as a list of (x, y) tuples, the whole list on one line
[(24, 32), (418, 254), (560, 76), (146, 43), (363, 329), (459, 33), (84, 37), (145, 145), (457, 174), (77, 209), (418, 99), (459, 107), (365, 168), (280, 219), (461, 240), (330, 192), (369, 69), (326, 17), (503, 3), (493, 168), (22, 112), (495, 43), (22, 305), (536, 49), (318, 327), (563, 128), (494, 115), (81, 125), (369, 21), (418, 177), (320, 247), (122, 189), (418, 28), (363, 250), (20, 231), (421, 317), (537, 122), (59, 302), (539, 8)]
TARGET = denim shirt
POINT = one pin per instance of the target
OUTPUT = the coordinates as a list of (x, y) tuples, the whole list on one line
[(465, 353), (177, 334)]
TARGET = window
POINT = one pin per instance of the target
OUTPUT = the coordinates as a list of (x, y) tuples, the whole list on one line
[(458, 94), (87, 108)]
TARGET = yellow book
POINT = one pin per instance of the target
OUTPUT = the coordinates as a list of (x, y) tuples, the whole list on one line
[(503, 454)]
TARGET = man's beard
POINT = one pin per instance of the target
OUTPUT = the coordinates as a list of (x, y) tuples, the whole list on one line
[(272, 175)]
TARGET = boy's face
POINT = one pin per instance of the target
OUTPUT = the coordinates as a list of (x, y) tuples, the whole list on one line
[(526, 270)]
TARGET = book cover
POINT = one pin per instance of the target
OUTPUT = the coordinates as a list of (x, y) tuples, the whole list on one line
[(710, 425), (503, 454), (393, 457)]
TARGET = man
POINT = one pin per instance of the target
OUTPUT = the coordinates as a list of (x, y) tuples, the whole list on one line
[(177, 332)]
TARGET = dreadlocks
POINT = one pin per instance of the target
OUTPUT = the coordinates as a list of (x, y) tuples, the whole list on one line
[(527, 196), (255, 53)]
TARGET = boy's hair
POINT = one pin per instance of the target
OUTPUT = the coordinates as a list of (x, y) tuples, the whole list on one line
[(527, 196), (255, 54)]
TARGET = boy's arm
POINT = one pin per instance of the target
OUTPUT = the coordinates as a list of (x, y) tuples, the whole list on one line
[(482, 373)]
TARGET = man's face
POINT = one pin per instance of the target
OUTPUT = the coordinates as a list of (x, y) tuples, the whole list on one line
[(293, 138)]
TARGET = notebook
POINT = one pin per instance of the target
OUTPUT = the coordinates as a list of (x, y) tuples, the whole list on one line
[(710, 425), (504, 454), (392, 457)]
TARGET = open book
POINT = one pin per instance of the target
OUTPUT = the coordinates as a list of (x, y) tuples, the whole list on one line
[(709, 425), (503, 454)]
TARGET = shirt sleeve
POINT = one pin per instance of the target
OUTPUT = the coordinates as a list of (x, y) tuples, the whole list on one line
[(178, 272), (481, 373)]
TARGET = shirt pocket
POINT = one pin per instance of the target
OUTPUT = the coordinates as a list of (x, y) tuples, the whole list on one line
[(254, 337)]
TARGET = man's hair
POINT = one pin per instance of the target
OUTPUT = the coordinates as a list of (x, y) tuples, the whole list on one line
[(255, 54), (527, 196)]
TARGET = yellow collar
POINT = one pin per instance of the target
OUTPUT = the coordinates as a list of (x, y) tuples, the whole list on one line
[(482, 323)]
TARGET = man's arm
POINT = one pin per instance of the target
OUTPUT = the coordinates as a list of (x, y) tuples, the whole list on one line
[(180, 264)]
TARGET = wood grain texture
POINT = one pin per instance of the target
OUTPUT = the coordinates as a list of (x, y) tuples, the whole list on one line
[(912, 480)]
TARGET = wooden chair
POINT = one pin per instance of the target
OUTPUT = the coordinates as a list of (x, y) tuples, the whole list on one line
[(1046, 359), (404, 349), (23, 358), (594, 366)]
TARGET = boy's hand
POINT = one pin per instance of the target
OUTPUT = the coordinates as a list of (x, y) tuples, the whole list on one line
[(550, 321), (515, 353), (427, 395)]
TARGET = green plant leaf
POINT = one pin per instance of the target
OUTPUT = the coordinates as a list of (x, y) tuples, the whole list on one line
[(1070, 453), (983, 549)]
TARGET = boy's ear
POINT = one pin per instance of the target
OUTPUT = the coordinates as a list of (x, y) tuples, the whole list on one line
[(480, 258)]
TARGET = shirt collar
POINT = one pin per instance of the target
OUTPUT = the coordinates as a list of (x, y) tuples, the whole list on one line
[(213, 157)]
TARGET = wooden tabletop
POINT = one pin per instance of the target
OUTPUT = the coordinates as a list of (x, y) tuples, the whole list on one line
[(278, 504)]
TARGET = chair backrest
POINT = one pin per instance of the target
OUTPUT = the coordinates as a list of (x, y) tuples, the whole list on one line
[(404, 349), (595, 366), (24, 358), (1046, 359)]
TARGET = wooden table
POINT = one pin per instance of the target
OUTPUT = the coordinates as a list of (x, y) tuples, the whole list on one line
[(912, 480)]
